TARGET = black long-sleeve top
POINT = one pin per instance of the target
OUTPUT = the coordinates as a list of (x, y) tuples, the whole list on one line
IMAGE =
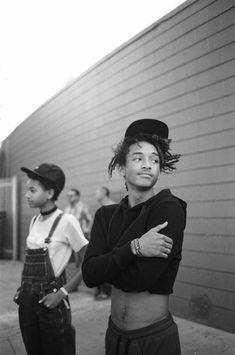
[(109, 258)]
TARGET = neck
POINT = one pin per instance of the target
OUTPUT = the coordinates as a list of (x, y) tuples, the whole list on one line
[(50, 208), (135, 196), (105, 200)]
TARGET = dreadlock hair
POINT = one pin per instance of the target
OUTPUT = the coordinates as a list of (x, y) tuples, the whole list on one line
[(162, 145), (46, 184)]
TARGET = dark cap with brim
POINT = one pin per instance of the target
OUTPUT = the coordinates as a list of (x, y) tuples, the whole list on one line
[(147, 126), (49, 172)]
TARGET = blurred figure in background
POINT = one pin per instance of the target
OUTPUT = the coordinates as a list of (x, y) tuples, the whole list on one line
[(80, 210), (102, 195)]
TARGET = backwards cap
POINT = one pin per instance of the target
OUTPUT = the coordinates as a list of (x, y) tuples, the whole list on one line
[(147, 126)]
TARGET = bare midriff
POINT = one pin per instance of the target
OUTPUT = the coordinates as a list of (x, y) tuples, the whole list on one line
[(135, 310)]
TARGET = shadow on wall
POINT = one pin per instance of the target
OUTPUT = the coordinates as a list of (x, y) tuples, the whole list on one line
[(200, 306)]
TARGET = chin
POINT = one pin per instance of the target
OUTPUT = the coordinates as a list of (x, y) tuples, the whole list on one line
[(32, 205), (145, 187)]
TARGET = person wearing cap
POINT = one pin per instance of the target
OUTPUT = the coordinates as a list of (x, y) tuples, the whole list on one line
[(44, 308), (136, 246)]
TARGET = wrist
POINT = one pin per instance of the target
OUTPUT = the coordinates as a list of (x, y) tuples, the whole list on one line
[(64, 292), (133, 247), (137, 247)]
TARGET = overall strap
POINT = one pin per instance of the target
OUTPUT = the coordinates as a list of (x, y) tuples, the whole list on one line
[(34, 219), (54, 225)]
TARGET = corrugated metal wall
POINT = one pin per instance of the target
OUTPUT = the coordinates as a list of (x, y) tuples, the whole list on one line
[(180, 70)]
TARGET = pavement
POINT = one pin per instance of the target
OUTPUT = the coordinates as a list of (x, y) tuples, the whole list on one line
[(90, 319)]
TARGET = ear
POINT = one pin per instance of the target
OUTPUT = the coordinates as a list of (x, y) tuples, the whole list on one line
[(122, 171), (50, 194)]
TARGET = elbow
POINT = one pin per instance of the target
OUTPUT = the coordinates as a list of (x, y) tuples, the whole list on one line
[(89, 277), (89, 283)]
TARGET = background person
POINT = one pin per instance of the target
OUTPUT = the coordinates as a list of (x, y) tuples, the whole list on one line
[(84, 217), (80, 210), (102, 194)]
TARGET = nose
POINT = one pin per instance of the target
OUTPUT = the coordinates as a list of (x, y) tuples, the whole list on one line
[(146, 164)]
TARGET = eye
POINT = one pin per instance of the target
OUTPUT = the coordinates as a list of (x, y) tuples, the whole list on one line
[(137, 159)]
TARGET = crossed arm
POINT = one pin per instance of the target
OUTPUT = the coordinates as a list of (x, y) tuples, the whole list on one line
[(119, 265)]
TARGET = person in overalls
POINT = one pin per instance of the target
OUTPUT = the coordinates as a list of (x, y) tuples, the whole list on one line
[(44, 308)]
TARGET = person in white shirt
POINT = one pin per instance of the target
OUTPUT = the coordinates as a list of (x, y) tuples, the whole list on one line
[(102, 194), (44, 309)]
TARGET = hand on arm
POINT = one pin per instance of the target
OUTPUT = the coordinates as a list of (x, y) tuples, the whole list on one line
[(143, 274), (154, 244)]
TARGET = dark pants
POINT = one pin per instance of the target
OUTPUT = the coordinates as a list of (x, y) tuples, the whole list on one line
[(161, 338), (45, 331)]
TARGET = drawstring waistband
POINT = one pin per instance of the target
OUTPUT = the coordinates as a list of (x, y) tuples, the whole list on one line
[(158, 327)]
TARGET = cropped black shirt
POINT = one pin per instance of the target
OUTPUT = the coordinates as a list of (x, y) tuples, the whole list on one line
[(109, 258)]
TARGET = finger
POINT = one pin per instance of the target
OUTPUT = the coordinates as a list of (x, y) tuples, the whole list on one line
[(164, 238), (167, 246), (166, 250), (168, 240), (42, 299), (161, 226), (163, 255)]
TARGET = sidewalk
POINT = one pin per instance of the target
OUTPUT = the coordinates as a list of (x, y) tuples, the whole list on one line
[(90, 320)]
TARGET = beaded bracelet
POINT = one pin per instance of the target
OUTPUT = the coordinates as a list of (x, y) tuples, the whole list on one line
[(137, 247), (133, 249)]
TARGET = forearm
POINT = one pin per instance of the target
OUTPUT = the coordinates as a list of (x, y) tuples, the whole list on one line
[(98, 269), (75, 281), (77, 278), (141, 275)]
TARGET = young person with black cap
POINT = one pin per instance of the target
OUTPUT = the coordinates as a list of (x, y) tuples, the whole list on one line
[(136, 246), (44, 309)]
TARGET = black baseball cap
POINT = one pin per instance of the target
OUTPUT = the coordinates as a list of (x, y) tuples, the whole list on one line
[(48, 172), (147, 126)]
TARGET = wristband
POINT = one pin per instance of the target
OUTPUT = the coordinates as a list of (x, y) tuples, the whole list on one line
[(137, 247), (64, 291), (133, 247)]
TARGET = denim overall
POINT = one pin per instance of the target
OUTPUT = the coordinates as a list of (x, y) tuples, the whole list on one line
[(44, 331)]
